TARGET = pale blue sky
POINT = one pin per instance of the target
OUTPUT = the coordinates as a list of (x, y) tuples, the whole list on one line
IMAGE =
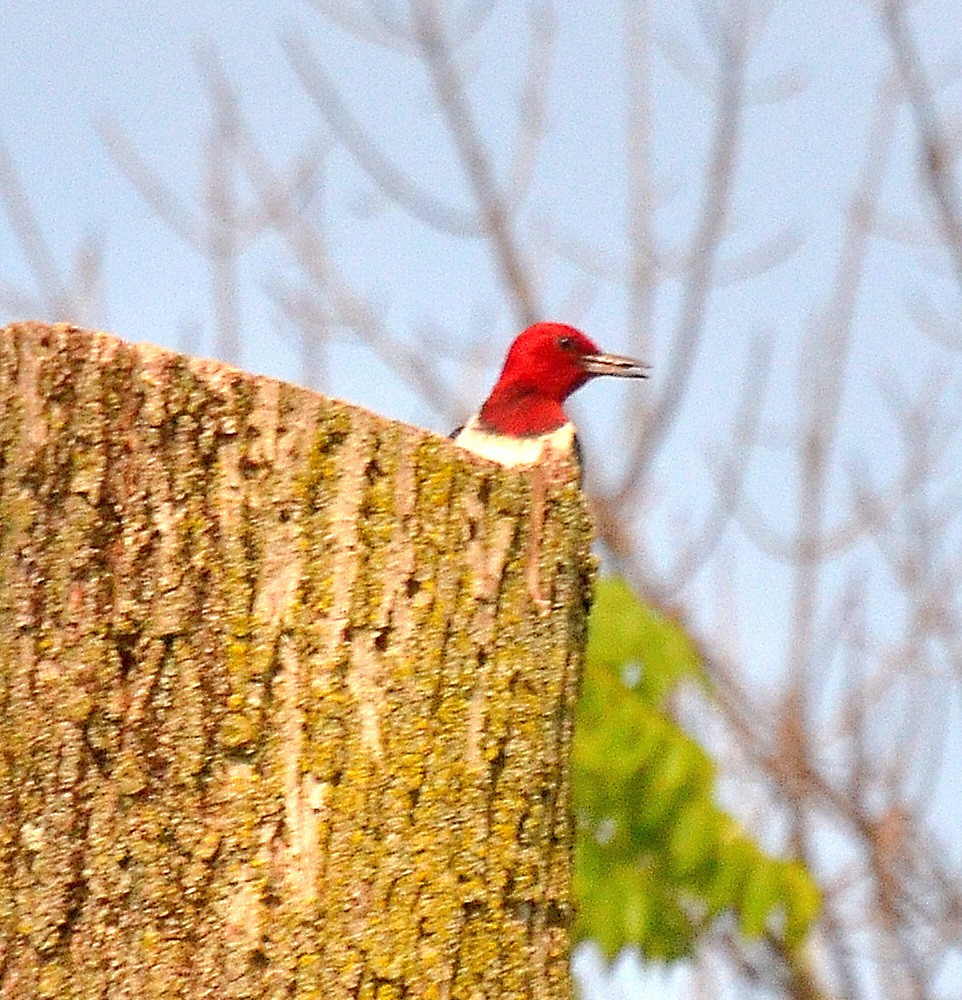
[(66, 64)]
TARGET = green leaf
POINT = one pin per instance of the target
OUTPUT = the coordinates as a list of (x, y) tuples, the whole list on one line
[(762, 894), (733, 864), (804, 901), (656, 859), (693, 842), (623, 633), (665, 782)]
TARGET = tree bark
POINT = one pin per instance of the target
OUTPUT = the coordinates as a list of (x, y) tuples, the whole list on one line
[(281, 714)]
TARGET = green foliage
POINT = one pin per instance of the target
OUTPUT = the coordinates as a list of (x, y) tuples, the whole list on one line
[(656, 859)]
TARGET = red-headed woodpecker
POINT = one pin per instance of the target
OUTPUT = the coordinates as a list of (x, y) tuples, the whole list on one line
[(525, 413)]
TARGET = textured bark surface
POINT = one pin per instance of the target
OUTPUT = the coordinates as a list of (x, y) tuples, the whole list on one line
[(279, 713)]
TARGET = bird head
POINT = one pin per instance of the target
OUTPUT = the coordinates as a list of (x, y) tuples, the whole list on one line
[(545, 365)]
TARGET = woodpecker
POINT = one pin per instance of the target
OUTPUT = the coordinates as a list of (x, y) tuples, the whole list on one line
[(524, 413)]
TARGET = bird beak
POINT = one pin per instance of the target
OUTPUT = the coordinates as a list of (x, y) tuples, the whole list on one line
[(614, 364)]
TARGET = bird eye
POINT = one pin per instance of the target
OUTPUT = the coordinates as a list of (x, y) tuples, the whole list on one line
[(566, 343)]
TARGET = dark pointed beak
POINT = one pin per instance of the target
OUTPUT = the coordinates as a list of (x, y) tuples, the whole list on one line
[(614, 364)]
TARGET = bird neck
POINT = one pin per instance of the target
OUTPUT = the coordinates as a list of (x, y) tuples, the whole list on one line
[(511, 451), (519, 410)]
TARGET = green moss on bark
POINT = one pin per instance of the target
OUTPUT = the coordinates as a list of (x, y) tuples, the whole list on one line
[(279, 712)]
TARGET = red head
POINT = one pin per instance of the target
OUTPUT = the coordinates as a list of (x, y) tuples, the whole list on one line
[(545, 365)]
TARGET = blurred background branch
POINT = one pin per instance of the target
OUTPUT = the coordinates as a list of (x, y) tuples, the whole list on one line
[(788, 488)]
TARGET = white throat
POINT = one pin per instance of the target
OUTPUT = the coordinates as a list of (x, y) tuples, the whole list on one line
[(510, 451)]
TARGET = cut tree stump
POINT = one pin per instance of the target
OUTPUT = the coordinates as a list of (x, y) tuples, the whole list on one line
[(279, 713)]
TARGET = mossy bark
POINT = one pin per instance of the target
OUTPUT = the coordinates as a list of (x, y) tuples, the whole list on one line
[(280, 715)]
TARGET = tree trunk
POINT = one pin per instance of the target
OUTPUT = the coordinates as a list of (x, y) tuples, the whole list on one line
[(282, 711)]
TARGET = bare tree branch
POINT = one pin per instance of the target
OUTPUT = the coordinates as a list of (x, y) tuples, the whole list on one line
[(367, 26), (423, 206), (937, 161), (826, 352), (491, 205), (28, 234), (157, 194), (78, 294), (531, 130), (732, 469), (223, 240), (711, 228)]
